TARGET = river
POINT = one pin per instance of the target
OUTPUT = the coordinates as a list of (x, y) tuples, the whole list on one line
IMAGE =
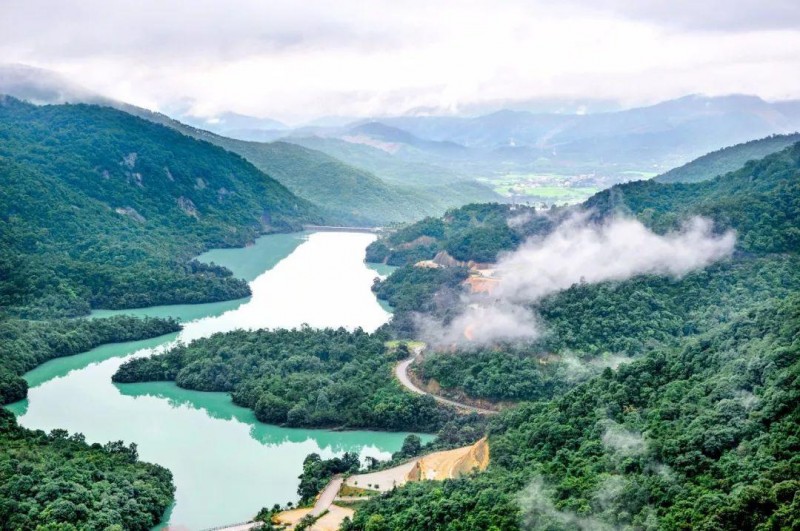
[(225, 463)]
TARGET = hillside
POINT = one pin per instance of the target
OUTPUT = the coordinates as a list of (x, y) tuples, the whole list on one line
[(344, 192), (103, 209), (348, 195), (727, 159), (649, 402)]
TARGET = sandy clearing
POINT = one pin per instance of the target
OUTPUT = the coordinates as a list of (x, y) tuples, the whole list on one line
[(446, 464), (384, 479), (334, 518)]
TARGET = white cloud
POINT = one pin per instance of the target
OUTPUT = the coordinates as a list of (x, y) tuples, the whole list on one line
[(576, 251), (294, 61)]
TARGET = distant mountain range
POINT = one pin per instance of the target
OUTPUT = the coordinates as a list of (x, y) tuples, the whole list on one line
[(407, 166)]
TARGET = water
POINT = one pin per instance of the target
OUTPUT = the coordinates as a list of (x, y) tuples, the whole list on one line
[(226, 464)]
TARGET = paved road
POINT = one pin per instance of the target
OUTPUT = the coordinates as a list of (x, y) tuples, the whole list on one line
[(401, 372), (327, 496)]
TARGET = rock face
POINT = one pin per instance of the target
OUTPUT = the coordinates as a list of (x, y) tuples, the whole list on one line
[(444, 259), (188, 207), (131, 213)]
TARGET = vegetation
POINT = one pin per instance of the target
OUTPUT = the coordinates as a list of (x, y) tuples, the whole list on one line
[(727, 159), (301, 377), (58, 481), (347, 194), (703, 435), (103, 209), (761, 202), (26, 344), (317, 472), (474, 232), (651, 403)]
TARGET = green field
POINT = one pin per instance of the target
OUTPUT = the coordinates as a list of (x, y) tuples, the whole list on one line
[(546, 188)]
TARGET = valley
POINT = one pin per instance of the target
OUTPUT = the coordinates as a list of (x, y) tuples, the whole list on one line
[(514, 320)]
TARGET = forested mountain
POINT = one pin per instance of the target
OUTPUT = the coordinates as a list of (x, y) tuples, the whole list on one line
[(349, 195), (104, 209), (345, 193), (649, 403), (761, 201), (727, 159)]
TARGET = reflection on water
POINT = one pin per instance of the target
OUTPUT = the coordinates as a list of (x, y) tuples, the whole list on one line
[(226, 464)]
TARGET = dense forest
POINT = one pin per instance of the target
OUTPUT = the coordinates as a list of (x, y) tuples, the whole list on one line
[(57, 481), (649, 403), (103, 209), (26, 344), (703, 435), (476, 232), (301, 377), (761, 200), (727, 159)]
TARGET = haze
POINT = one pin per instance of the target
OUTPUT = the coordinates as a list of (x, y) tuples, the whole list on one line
[(297, 63)]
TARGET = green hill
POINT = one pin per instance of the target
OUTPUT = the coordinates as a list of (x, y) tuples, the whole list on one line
[(344, 193), (727, 159), (698, 430), (347, 194), (104, 209)]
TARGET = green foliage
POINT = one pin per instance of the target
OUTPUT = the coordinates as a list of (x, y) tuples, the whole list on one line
[(317, 472), (305, 377), (412, 446), (699, 430), (412, 288), (58, 481), (700, 436), (761, 202), (103, 209), (727, 159), (474, 232), (26, 344), (347, 195)]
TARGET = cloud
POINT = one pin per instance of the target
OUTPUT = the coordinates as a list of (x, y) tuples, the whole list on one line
[(295, 61), (576, 251), (707, 15), (539, 512), (621, 441), (579, 251)]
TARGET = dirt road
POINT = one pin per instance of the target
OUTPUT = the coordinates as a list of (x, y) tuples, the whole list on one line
[(401, 372)]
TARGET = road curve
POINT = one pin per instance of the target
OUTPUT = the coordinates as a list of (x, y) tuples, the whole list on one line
[(401, 373)]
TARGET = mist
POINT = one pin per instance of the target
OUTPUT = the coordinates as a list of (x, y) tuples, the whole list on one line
[(577, 251)]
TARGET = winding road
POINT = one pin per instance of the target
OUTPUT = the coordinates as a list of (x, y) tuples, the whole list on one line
[(401, 373)]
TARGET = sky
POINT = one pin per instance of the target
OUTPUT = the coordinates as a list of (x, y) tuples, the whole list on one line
[(298, 60)]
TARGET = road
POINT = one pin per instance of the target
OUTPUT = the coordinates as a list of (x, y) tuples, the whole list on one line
[(327, 496), (401, 372)]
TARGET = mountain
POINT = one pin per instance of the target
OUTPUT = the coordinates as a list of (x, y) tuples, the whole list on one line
[(650, 402), (347, 194), (668, 133), (102, 209), (727, 159), (404, 169), (344, 193), (239, 126)]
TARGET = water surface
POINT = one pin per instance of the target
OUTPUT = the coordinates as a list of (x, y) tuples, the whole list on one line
[(226, 464)]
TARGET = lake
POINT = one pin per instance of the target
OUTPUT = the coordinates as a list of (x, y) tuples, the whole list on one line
[(226, 464)]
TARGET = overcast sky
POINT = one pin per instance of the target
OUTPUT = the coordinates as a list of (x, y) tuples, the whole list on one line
[(295, 60)]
